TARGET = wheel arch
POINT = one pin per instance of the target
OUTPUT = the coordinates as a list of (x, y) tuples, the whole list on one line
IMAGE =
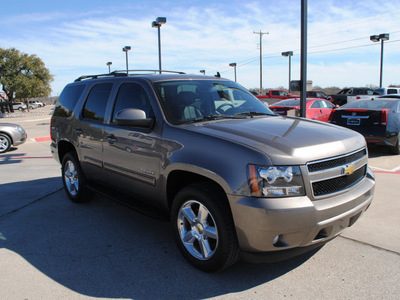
[(63, 148), (180, 178), (8, 135)]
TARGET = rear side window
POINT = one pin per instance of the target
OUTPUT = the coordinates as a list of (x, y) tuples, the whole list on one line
[(392, 91), (67, 100), (96, 102)]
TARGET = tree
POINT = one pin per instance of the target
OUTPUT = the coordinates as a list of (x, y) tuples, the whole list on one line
[(23, 76)]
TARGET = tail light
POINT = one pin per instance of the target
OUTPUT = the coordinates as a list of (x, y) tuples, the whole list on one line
[(384, 117), (358, 98)]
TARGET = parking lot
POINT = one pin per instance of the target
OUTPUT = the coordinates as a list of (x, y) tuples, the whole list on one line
[(52, 248)]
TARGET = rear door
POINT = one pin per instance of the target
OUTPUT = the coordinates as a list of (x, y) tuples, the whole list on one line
[(89, 131)]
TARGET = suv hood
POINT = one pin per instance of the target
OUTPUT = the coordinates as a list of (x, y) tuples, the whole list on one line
[(286, 140)]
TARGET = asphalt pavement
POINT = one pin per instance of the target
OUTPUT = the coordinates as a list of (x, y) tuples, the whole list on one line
[(51, 248)]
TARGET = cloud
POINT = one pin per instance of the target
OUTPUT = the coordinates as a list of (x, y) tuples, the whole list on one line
[(209, 35)]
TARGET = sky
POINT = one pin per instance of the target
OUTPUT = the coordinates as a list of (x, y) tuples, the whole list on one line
[(75, 38)]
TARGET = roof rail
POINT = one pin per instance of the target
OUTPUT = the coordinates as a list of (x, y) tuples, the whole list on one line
[(118, 73), (83, 77), (152, 71)]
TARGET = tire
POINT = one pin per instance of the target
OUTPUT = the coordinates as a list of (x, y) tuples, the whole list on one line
[(209, 244), (5, 143), (73, 179), (396, 148)]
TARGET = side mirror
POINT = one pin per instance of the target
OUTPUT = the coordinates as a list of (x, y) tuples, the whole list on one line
[(329, 98), (133, 117)]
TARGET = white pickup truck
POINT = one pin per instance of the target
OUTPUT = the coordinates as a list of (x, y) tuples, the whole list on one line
[(376, 93)]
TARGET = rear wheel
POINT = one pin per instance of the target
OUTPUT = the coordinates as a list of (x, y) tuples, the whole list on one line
[(73, 178), (5, 143), (203, 228)]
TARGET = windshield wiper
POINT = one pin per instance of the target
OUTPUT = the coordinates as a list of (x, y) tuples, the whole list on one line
[(252, 114), (212, 118)]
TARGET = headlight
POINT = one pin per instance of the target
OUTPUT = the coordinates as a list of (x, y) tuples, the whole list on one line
[(20, 129), (275, 181)]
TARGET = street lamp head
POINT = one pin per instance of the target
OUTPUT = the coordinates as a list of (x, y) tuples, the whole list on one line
[(161, 20), (126, 48), (109, 63), (374, 38), (232, 64), (203, 72), (158, 22), (384, 36), (287, 53)]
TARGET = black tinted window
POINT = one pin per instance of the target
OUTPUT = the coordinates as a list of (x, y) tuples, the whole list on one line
[(132, 95), (96, 102), (67, 100)]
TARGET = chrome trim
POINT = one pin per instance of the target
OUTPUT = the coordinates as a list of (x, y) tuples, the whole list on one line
[(335, 172), (131, 174)]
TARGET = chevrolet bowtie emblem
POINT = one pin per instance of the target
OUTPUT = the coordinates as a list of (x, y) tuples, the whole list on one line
[(349, 169)]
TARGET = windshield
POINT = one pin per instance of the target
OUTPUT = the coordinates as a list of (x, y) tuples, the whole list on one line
[(186, 101)]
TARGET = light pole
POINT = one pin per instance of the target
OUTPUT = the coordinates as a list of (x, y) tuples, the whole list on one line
[(126, 49), (261, 34), (376, 38), (289, 54), (203, 72), (109, 67), (234, 67), (157, 24)]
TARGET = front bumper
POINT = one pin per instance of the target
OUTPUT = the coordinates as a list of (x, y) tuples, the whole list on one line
[(275, 224)]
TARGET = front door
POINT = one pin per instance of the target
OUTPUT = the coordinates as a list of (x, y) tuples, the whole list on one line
[(131, 155)]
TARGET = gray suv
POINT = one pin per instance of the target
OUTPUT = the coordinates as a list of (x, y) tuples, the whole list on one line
[(236, 180)]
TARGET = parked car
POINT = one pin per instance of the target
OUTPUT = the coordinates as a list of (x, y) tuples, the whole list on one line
[(318, 94), (377, 120), (276, 94), (316, 109), (341, 98), (388, 90), (11, 134), (19, 106), (34, 104), (235, 179)]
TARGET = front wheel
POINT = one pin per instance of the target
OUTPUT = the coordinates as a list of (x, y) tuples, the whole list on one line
[(5, 143), (203, 228), (73, 178)]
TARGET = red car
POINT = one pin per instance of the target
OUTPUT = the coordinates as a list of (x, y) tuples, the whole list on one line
[(316, 109)]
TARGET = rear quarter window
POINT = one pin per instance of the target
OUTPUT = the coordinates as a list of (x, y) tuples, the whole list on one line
[(67, 100)]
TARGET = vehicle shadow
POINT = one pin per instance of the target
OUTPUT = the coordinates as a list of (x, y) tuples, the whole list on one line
[(104, 249), (377, 151)]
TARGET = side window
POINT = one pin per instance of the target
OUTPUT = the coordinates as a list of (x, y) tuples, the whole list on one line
[(67, 100), (132, 95), (316, 104), (96, 102), (275, 93), (391, 91)]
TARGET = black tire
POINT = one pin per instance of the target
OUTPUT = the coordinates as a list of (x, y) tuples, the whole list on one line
[(5, 143), (209, 244), (73, 179), (396, 148)]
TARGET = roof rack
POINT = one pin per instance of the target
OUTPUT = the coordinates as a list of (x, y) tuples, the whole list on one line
[(121, 73)]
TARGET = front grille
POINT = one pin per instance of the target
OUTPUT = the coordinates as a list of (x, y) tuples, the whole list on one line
[(334, 185), (336, 162)]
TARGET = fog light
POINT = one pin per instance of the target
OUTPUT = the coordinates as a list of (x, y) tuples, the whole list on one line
[(276, 239)]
